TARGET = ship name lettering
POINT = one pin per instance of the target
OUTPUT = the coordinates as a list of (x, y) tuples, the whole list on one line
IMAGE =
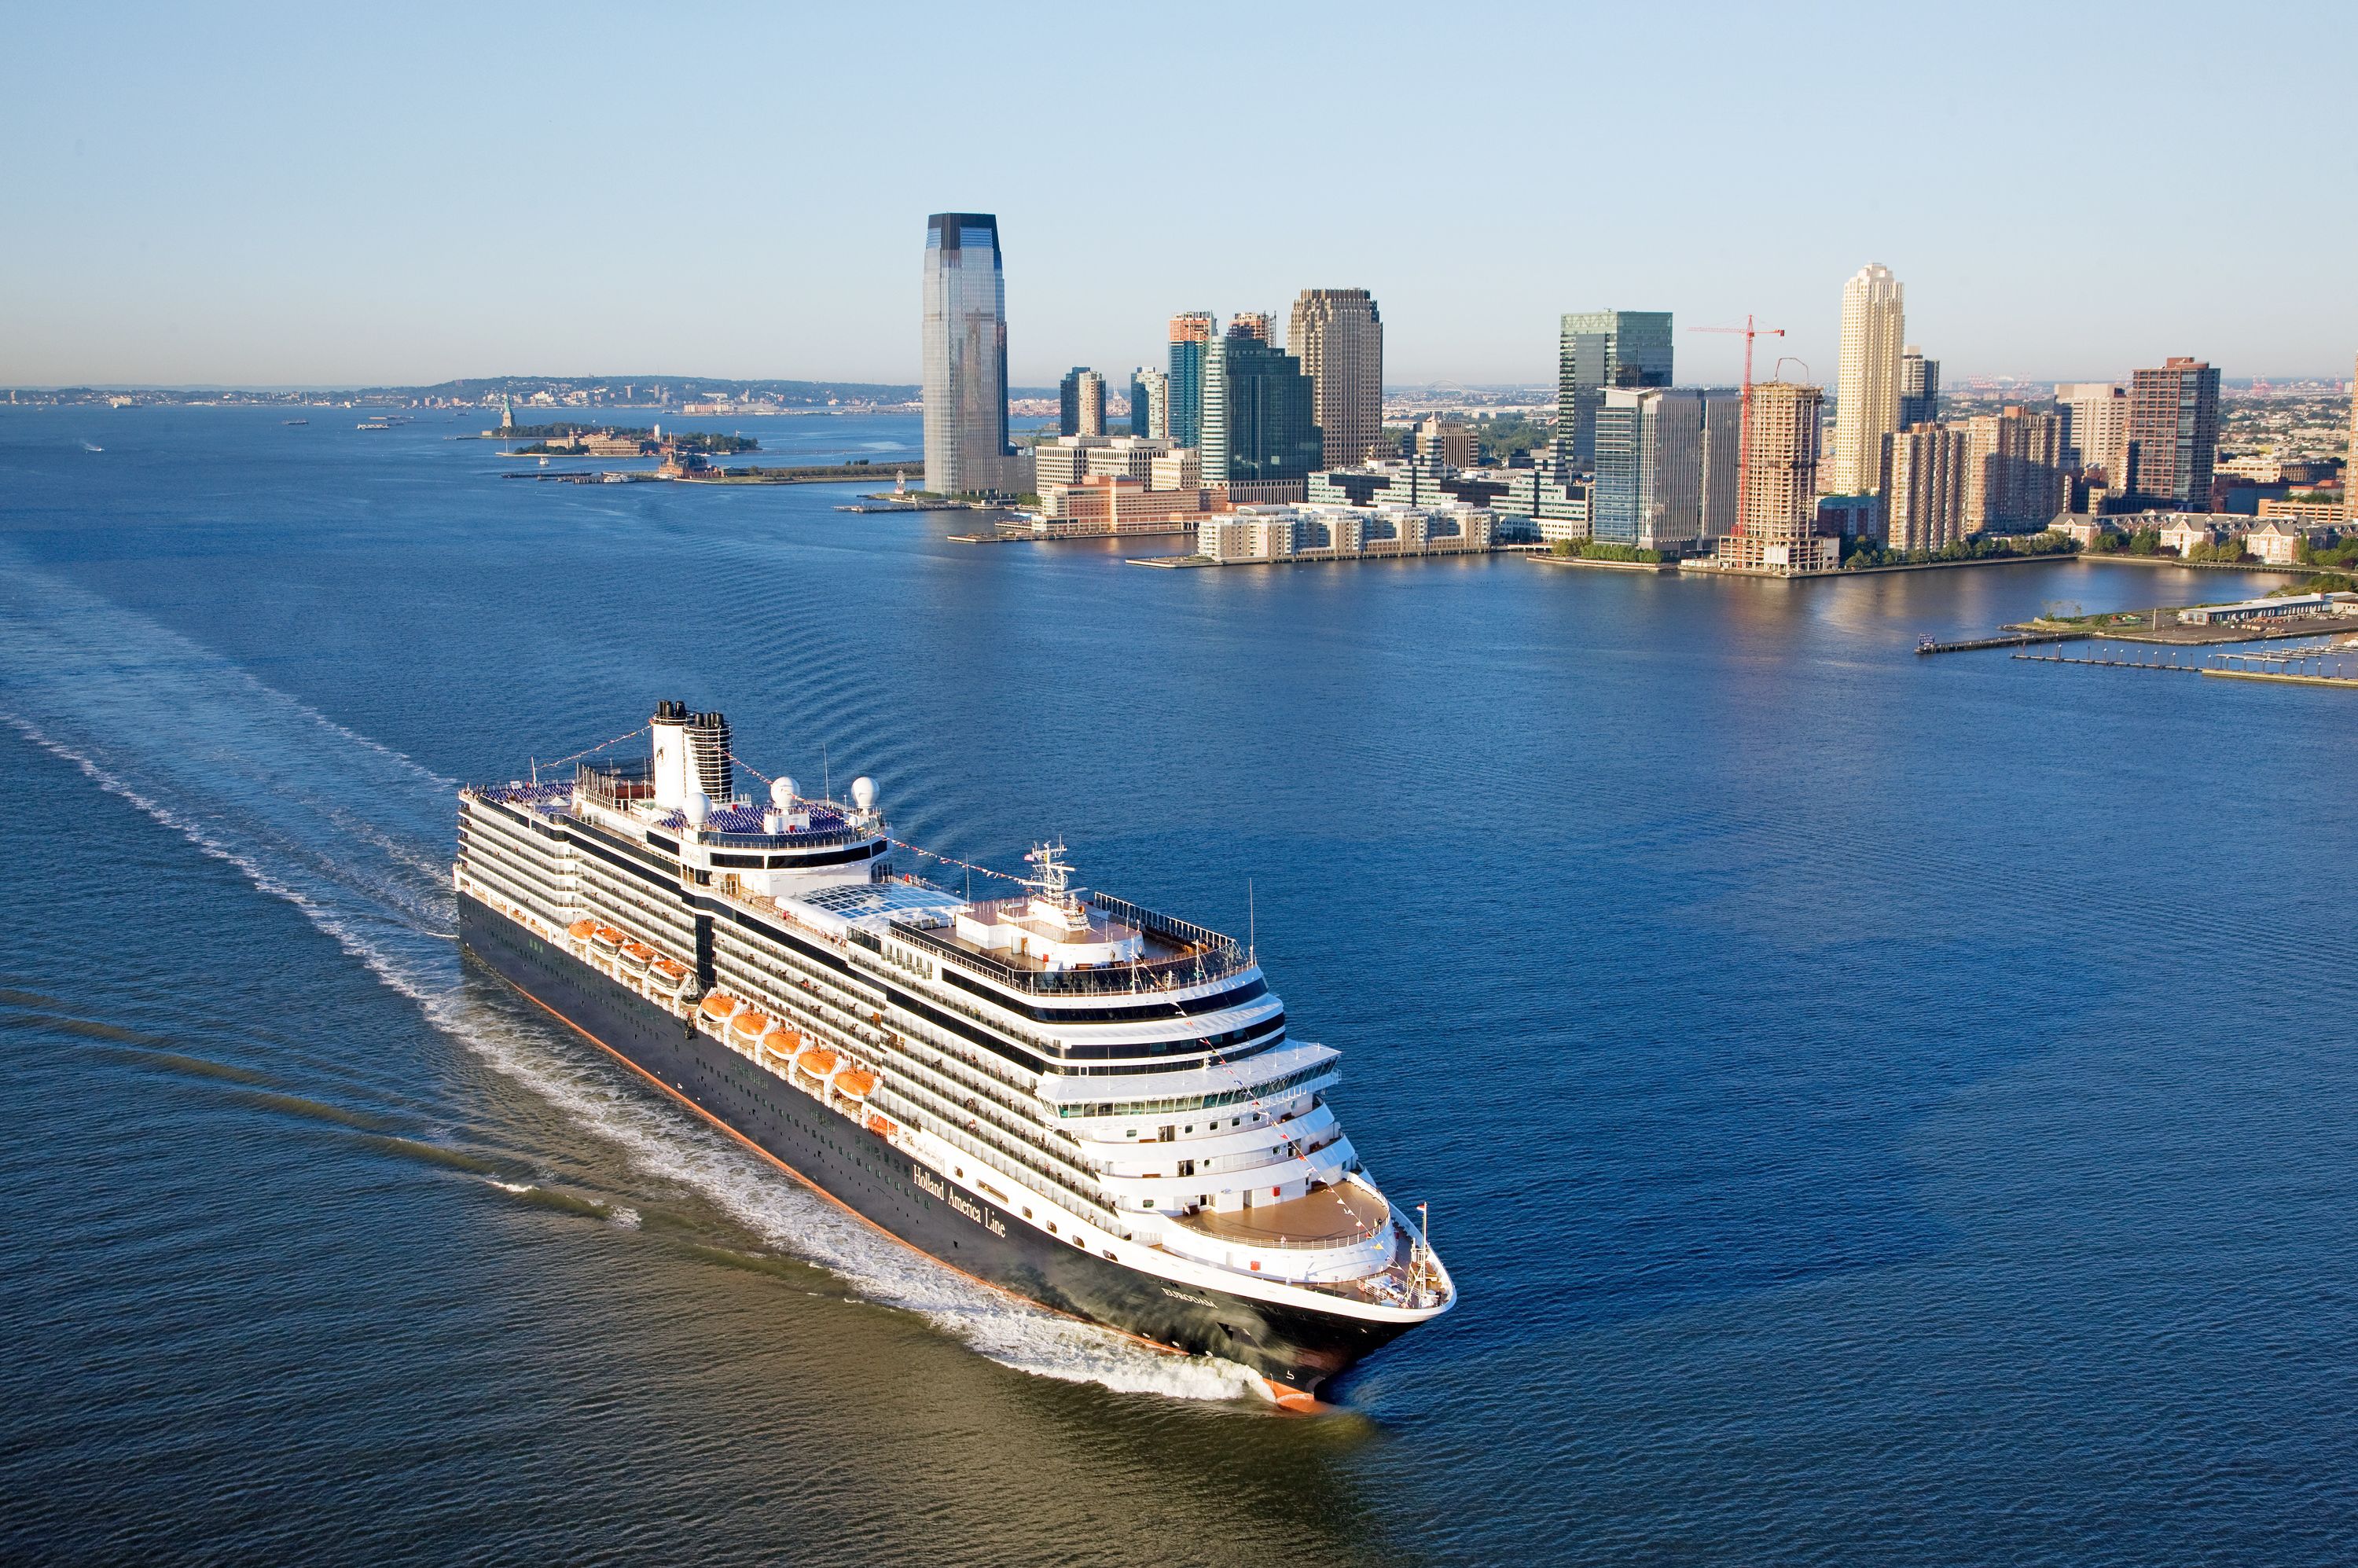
[(931, 1183), (1183, 1296)]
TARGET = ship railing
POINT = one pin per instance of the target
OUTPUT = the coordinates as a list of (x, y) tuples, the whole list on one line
[(1216, 962), (817, 839)]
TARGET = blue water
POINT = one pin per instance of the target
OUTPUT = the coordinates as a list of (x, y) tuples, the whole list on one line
[(1880, 1109)]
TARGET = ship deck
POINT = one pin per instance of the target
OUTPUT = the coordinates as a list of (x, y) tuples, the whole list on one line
[(1329, 1217)]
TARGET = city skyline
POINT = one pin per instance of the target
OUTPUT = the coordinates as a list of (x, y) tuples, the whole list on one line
[(172, 228)]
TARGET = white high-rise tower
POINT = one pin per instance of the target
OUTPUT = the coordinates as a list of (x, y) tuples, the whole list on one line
[(1874, 326)]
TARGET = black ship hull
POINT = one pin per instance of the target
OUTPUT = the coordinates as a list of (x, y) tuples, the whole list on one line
[(1296, 1351)]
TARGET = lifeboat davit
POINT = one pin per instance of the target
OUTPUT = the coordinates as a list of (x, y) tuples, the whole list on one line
[(579, 930), (720, 1005), (750, 1025), (853, 1083), (819, 1062)]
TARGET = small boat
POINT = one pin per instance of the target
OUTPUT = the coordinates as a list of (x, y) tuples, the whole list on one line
[(853, 1083), (92, 447), (750, 1025), (819, 1062), (294, 421), (720, 1005)]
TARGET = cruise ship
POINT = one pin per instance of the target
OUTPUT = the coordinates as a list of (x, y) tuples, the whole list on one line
[(1082, 1102)]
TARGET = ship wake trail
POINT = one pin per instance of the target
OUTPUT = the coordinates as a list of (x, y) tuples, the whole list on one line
[(356, 835)]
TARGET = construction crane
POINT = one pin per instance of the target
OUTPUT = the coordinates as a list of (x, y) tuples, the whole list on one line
[(1744, 412)]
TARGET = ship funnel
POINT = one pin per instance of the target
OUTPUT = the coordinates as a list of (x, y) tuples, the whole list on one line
[(863, 793)]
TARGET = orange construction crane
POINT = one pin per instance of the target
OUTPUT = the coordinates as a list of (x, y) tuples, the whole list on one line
[(1744, 410)]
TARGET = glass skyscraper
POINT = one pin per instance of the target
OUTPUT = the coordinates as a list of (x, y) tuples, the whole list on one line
[(1600, 349), (1191, 338), (1260, 417), (1666, 467), (964, 356)]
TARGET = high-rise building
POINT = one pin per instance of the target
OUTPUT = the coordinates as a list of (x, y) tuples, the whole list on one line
[(1666, 464), (2350, 455), (1723, 467), (1150, 404), (1080, 403), (1919, 388), (2173, 432), (1441, 440), (1191, 338), (1778, 486), (2014, 471), (1259, 417), (1339, 339), (1597, 348), (965, 355), (2095, 426), (1923, 487), (1780, 474), (1866, 405), (1253, 324)]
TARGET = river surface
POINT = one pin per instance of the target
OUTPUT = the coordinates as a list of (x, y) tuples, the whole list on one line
[(1879, 1109)]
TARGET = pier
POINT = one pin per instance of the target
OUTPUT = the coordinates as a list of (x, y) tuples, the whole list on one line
[(2013, 640), (2113, 664)]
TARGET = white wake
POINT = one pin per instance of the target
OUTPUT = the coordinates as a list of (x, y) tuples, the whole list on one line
[(354, 834)]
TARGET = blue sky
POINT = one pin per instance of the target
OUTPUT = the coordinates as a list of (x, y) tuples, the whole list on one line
[(335, 194)]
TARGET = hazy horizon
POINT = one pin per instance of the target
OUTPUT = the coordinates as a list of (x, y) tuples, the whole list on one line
[(253, 198)]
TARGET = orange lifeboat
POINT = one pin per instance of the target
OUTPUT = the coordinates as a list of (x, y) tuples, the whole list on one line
[(720, 1005), (854, 1082), (637, 954), (671, 970), (879, 1126), (782, 1043), (819, 1062), (579, 930), (750, 1025), (608, 938)]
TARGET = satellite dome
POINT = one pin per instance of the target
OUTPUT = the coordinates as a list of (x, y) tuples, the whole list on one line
[(781, 793), (698, 808), (863, 793)]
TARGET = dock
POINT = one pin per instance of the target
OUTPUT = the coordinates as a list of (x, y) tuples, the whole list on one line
[(2113, 663), (2013, 640)]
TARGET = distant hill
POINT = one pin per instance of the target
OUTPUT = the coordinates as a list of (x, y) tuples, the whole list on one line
[(649, 388)]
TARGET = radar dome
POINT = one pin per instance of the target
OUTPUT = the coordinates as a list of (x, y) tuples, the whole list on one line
[(863, 793), (781, 795), (698, 808)]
